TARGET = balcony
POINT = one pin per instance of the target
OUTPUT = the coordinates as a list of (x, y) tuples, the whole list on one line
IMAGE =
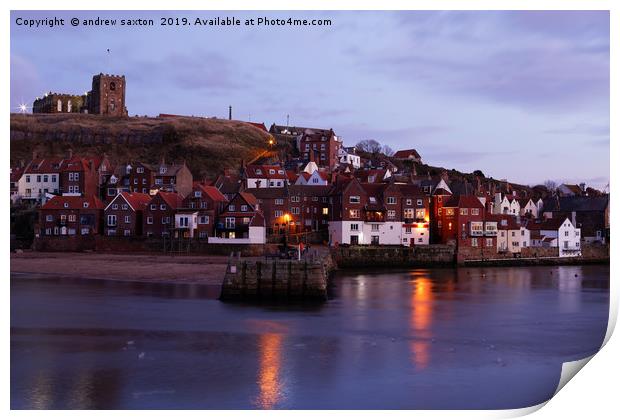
[(490, 233), (476, 232)]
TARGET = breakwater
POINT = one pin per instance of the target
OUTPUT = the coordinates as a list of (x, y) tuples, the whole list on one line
[(255, 279)]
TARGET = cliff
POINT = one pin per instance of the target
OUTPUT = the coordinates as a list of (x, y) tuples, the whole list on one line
[(207, 145)]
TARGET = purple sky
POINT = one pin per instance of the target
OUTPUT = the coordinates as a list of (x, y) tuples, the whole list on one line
[(519, 95)]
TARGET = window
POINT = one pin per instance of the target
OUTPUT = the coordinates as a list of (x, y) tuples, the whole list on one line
[(231, 207), (153, 206), (420, 214), (419, 202), (246, 220), (391, 200), (53, 178), (474, 241), (295, 199), (409, 213), (566, 233), (85, 205), (203, 220), (408, 201), (28, 178), (127, 219), (162, 170), (244, 207), (325, 211), (140, 170), (408, 229), (391, 214), (295, 210), (158, 181), (475, 212), (45, 178), (449, 212), (149, 220), (114, 206), (489, 242), (278, 213), (49, 218), (124, 206), (184, 221), (59, 106), (374, 227), (111, 220), (354, 227), (279, 201), (162, 207), (464, 212), (230, 223), (165, 220), (354, 214), (354, 199)]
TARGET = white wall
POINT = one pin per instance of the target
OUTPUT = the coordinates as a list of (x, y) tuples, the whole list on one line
[(256, 235), (34, 186)]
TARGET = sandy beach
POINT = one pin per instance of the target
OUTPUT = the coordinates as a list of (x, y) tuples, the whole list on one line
[(207, 269)]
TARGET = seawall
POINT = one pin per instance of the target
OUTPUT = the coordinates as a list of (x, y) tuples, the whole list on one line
[(394, 256)]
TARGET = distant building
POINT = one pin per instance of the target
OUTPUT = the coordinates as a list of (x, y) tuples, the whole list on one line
[(106, 97), (409, 154)]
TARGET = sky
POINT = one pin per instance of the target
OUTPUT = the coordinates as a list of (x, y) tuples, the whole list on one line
[(519, 95)]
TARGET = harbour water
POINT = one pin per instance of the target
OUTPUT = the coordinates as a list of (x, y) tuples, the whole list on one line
[(467, 338)]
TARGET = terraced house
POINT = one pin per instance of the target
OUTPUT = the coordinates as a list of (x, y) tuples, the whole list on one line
[(71, 216), (124, 215)]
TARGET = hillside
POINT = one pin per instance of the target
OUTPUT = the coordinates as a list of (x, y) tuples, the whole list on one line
[(208, 146)]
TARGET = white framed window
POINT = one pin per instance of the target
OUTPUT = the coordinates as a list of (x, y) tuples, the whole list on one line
[(354, 199), (229, 222), (111, 220), (49, 218), (149, 220), (355, 227), (391, 200), (203, 220), (244, 207), (127, 219)]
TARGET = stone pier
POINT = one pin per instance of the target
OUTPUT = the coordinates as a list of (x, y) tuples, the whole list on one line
[(278, 279)]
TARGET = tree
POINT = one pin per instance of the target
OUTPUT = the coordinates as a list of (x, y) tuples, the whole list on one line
[(479, 173), (369, 146), (387, 150), (551, 185)]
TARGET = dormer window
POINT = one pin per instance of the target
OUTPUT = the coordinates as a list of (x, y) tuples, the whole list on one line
[(162, 170), (85, 205), (272, 171), (259, 172), (281, 172), (66, 205)]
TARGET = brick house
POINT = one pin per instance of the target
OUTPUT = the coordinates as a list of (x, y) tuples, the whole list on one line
[(124, 215), (197, 216), (462, 221), (274, 204), (320, 146), (160, 212), (72, 216), (309, 207), (241, 219), (80, 176)]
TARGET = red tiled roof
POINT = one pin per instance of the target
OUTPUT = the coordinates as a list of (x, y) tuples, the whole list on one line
[(173, 199), (44, 166), (463, 201), (73, 202), (249, 198), (252, 171), (137, 201), (404, 154), (212, 192), (258, 125)]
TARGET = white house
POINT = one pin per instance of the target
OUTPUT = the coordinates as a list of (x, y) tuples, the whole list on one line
[(265, 176), (346, 157), (186, 221), (560, 233), (528, 207), (41, 176), (384, 233), (316, 178)]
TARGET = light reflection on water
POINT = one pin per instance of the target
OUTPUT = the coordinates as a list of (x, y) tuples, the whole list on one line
[(381, 339)]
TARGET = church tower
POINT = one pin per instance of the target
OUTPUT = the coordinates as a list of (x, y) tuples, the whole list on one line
[(107, 96)]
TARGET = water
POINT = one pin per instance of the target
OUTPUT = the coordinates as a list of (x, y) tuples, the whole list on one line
[(425, 339)]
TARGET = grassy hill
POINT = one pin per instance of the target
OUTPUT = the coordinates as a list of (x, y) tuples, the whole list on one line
[(208, 146)]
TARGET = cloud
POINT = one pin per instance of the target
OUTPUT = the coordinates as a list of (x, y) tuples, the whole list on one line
[(503, 57)]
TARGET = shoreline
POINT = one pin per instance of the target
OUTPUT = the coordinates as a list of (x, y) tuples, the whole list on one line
[(203, 270)]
